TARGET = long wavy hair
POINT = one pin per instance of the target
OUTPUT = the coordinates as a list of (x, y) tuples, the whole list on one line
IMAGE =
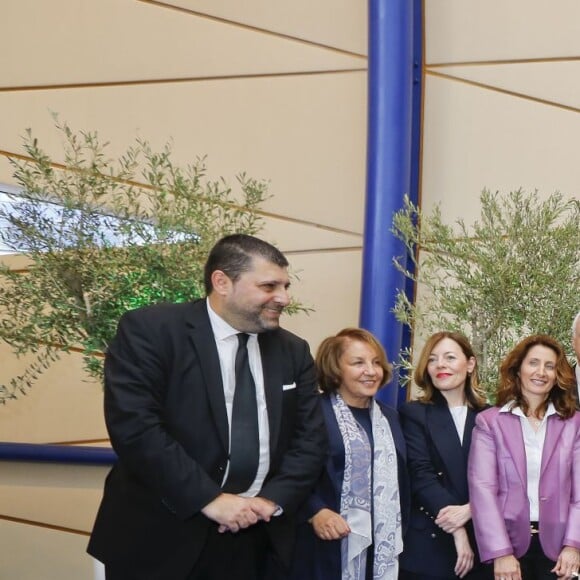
[(474, 395), (510, 385)]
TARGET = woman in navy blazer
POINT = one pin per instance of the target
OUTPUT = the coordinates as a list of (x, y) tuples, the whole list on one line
[(437, 428), (351, 368)]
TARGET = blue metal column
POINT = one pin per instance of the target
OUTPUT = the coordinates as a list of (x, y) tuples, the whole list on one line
[(392, 155)]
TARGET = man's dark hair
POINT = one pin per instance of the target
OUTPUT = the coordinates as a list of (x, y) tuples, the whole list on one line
[(233, 256)]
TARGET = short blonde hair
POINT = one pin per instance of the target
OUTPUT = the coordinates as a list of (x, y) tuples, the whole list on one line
[(331, 349)]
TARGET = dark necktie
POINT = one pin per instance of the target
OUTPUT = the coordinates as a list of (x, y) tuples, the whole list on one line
[(245, 442)]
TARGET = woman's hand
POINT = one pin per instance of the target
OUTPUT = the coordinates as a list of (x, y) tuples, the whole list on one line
[(464, 552), (453, 517), (506, 568), (568, 563), (329, 525)]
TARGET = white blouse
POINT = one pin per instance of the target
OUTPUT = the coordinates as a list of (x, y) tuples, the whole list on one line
[(533, 445), (459, 415)]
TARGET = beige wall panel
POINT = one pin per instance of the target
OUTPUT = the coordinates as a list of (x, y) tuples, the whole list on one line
[(330, 284), (338, 23), (62, 406), (30, 553), (420, 334), (60, 495), (476, 138), (121, 40), (305, 134), (557, 82), (292, 236), (498, 30), (5, 167)]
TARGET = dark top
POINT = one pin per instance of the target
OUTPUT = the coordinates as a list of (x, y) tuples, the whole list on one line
[(166, 416), (317, 559), (363, 418), (437, 461)]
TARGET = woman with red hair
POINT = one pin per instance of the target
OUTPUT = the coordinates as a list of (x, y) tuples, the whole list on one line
[(439, 543)]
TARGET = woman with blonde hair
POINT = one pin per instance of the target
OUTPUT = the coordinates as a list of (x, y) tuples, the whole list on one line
[(439, 542)]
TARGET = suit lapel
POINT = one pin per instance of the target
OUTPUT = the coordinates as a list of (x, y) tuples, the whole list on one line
[(576, 389), (446, 440), (554, 429), (336, 444), (397, 433), (469, 425), (201, 335), (509, 425), (272, 357)]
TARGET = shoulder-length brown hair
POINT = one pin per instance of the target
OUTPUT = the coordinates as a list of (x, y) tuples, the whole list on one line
[(331, 349), (473, 394), (510, 385)]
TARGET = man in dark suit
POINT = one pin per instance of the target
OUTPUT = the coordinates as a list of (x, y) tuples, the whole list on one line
[(172, 507)]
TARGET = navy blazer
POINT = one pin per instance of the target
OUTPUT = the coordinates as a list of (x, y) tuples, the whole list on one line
[(438, 471), (166, 416), (317, 559)]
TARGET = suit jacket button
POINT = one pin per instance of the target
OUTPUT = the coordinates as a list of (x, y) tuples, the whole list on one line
[(433, 535)]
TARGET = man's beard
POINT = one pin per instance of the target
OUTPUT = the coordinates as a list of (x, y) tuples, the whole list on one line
[(258, 320)]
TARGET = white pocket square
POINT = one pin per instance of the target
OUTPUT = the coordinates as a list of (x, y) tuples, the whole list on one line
[(288, 387)]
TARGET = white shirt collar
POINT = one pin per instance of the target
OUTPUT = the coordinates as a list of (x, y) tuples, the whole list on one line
[(511, 407), (221, 329)]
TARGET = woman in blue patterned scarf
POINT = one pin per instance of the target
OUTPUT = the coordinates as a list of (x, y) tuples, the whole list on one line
[(357, 511)]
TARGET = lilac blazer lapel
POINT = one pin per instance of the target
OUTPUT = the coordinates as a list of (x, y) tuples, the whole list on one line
[(509, 425), (554, 429)]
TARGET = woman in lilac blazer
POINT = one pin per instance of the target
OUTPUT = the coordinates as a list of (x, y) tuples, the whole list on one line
[(524, 467)]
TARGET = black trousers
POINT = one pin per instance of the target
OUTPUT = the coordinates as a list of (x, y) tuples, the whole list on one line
[(246, 555), (535, 565), (480, 572)]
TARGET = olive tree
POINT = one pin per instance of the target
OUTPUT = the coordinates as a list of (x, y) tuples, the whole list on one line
[(103, 236), (514, 272)]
